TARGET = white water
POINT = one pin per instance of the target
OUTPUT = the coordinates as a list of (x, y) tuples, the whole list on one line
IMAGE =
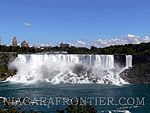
[(128, 60), (63, 68)]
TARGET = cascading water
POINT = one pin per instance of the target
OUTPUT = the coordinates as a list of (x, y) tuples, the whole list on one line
[(128, 61), (65, 68)]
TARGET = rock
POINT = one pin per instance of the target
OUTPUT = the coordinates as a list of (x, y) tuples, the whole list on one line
[(89, 71), (61, 82), (79, 75), (90, 79), (65, 78), (130, 75), (61, 76), (70, 80), (109, 82), (79, 69), (31, 78), (83, 73), (68, 76), (95, 80), (104, 81), (50, 79), (81, 78)]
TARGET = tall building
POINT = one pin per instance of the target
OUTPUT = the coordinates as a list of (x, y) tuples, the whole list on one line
[(24, 44), (14, 42), (64, 45)]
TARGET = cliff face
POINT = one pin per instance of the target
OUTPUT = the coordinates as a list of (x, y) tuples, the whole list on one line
[(120, 60), (133, 76), (5, 59)]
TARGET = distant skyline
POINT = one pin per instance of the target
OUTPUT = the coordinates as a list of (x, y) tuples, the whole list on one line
[(77, 22)]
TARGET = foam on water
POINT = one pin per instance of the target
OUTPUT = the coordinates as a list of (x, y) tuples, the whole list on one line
[(74, 68)]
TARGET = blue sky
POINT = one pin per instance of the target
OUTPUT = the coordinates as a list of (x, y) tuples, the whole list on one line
[(78, 22)]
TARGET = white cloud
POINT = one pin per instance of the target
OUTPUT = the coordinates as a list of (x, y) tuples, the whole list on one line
[(80, 42), (145, 39), (132, 38), (27, 24), (40, 44), (104, 43)]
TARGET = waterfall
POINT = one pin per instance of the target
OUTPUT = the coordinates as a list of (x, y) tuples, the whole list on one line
[(128, 61), (107, 61), (66, 68)]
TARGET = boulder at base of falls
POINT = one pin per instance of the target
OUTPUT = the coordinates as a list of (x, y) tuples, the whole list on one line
[(95, 80)]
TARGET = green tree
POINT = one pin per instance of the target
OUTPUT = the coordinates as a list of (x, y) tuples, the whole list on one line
[(4, 48), (73, 108)]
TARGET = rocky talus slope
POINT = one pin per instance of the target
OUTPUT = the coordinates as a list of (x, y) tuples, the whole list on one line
[(133, 76)]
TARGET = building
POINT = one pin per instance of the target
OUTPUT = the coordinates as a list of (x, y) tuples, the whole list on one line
[(64, 45), (41, 48), (24, 44), (14, 42), (36, 47)]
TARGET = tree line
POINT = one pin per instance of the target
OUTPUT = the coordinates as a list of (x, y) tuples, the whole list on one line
[(133, 49)]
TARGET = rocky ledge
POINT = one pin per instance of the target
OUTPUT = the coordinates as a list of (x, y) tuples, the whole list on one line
[(132, 76)]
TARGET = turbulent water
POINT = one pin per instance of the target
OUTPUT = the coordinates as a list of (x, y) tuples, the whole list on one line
[(66, 68), (49, 90)]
